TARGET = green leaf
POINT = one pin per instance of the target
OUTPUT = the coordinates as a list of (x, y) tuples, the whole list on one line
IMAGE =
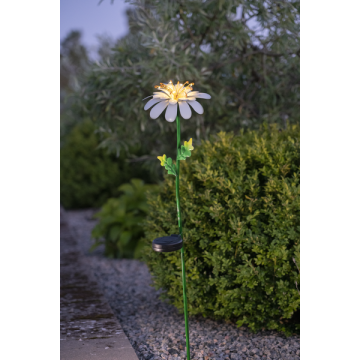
[(115, 232), (127, 189), (183, 153), (125, 237)]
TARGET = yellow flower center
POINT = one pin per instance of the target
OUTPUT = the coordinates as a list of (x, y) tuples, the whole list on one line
[(178, 91)]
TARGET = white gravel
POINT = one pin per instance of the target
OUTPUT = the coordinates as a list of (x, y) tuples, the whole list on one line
[(154, 328)]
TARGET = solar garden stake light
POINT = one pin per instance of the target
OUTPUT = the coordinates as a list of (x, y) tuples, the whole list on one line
[(168, 97)]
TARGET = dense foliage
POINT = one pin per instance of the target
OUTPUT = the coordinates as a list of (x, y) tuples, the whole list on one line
[(88, 175), (120, 220), (74, 61), (240, 203), (243, 53)]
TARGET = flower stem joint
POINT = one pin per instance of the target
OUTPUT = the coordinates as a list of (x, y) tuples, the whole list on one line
[(169, 97)]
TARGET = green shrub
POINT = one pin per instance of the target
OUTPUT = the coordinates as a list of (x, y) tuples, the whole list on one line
[(240, 208), (88, 175), (120, 219)]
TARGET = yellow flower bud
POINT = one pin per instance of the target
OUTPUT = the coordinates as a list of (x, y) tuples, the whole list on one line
[(162, 159), (188, 145)]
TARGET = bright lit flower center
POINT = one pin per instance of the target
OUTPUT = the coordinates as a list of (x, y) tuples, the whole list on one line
[(176, 92)]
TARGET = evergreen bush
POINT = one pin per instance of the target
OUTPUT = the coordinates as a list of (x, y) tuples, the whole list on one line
[(241, 215), (89, 175)]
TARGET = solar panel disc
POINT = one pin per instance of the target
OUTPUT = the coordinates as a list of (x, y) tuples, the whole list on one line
[(167, 243)]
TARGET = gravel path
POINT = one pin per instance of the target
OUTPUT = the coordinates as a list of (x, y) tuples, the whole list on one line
[(154, 328), (88, 327)]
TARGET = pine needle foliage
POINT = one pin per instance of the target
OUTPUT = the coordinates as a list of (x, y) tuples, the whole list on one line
[(245, 54), (240, 203)]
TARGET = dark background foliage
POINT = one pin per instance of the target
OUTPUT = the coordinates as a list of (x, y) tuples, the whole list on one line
[(74, 61), (88, 175), (244, 53)]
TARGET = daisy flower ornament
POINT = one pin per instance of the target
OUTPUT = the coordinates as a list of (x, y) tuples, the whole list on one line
[(170, 96), (173, 98)]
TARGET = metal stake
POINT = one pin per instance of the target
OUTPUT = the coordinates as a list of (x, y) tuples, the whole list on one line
[(182, 249)]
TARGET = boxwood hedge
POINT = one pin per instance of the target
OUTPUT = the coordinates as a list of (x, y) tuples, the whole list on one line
[(240, 201)]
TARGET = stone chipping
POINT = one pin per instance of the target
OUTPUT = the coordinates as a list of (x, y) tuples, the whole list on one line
[(154, 327)]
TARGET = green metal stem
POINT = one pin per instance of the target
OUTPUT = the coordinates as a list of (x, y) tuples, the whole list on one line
[(182, 249)]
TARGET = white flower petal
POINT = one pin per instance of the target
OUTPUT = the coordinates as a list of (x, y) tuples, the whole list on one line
[(172, 101), (202, 96), (146, 98), (161, 94), (165, 91), (192, 93), (171, 112), (185, 110), (161, 97), (150, 103), (158, 109), (197, 107), (191, 98)]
